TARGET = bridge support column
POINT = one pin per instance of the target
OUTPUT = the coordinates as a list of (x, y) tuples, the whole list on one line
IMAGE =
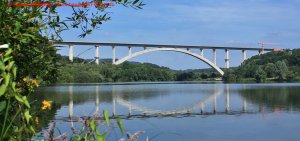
[(261, 51), (202, 52), (215, 56), (97, 55), (71, 53), (244, 56), (113, 55), (227, 58), (227, 99), (129, 50)]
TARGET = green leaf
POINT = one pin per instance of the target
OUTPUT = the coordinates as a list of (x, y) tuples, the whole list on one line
[(93, 125), (19, 99), (7, 59), (13, 86), (28, 35), (7, 79), (101, 137), (106, 116), (10, 64), (18, 26), (27, 115), (2, 89), (26, 101), (7, 53), (2, 66), (2, 105), (119, 122)]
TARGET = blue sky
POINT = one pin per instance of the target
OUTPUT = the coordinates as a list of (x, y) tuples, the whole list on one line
[(195, 22)]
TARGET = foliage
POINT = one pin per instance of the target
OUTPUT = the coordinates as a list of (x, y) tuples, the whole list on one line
[(28, 31), (14, 107), (260, 75), (21, 28), (278, 66), (126, 72), (281, 70), (270, 70), (229, 76)]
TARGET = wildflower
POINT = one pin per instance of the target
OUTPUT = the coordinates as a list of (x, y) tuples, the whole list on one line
[(35, 83), (25, 79), (46, 104), (37, 120)]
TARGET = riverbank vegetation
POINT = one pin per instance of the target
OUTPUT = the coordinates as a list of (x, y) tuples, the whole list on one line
[(31, 58), (272, 66), (82, 72)]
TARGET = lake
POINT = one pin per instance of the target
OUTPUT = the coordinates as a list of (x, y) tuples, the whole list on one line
[(208, 111)]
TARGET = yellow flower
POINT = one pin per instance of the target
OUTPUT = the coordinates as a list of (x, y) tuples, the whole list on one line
[(25, 79), (35, 83), (37, 120), (46, 104)]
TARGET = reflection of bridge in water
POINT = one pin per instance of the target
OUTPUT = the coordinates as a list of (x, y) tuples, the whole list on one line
[(138, 111)]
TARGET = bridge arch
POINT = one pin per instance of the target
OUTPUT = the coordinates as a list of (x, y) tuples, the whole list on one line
[(218, 69), (183, 110)]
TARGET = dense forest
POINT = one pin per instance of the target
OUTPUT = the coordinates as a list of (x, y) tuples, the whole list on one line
[(272, 66), (82, 71)]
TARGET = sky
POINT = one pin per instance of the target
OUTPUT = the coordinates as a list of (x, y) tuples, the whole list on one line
[(241, 23)]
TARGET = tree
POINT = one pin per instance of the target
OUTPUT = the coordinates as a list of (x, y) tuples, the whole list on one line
[(290, 76), (281, 70), (204, 76), (229, 76), (270, 69), (260, 75)]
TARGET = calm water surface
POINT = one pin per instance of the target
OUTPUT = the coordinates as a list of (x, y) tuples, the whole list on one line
[(182, 111)]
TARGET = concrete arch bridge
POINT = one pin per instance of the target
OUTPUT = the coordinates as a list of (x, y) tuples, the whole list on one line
[(186, 49)]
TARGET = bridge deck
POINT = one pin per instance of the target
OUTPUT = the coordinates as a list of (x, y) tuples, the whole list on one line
[(158, 45)]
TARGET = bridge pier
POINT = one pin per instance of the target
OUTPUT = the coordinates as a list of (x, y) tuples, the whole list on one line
[(113, 55), (202, 52), (244, 55), (97, 54), (261, 51), (129, 50), (227, 58), (215, 56), (71, 53)]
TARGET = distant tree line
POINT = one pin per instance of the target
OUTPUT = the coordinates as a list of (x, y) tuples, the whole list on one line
[(275, 66), (83, 72)]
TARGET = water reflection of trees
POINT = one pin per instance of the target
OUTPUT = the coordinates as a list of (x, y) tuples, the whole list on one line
[(284, 98), (62, 97)]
